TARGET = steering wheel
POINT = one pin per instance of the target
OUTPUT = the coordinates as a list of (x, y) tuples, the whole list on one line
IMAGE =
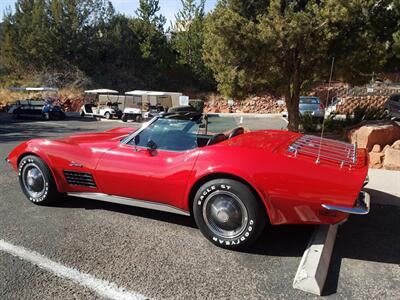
[(235, 132), (219, 137)]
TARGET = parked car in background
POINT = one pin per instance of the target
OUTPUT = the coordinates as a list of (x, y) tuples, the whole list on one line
[(233, 185), (332, 108), (392, 106), (312, 106), (101, 103), (38, 108), (41, 102)]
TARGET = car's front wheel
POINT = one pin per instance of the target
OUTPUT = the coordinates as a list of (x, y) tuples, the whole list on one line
[(228, 213), (107, 115), (36, 180)]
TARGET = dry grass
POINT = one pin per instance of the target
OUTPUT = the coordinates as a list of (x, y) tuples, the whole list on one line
[(8, 97)]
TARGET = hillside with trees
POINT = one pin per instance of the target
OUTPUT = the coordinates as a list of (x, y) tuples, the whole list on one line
[(86, 43)]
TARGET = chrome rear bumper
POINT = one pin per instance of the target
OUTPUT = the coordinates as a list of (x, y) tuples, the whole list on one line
[(361, 207), (366, 181)]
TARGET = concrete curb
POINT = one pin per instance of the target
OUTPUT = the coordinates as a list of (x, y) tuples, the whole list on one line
[(314, 265), (385, 181)]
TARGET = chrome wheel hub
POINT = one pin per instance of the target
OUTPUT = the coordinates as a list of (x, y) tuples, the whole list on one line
[(33, 180), (225, 214)]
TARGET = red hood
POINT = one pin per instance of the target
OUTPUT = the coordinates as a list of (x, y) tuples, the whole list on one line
[(115, 134), (84, 148)]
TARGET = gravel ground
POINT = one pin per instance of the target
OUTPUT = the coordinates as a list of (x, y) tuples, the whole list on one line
[(162, 255)]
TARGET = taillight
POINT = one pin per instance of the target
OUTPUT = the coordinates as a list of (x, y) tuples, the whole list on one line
[(321, 106)]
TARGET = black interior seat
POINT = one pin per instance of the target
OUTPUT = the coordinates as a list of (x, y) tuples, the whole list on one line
[(236, 131), (217, 138)]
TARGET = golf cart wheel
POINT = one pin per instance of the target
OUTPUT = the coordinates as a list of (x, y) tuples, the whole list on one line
[(228, 213), (107, 115), (139, 118), (36, 180), (82, 113), (124, 118), (46, 116)]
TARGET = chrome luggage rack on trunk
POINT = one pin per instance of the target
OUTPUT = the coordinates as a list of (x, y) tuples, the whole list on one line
[(322, 149)]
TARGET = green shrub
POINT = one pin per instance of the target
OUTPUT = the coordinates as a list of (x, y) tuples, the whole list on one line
[(197, 104), (308, 123)]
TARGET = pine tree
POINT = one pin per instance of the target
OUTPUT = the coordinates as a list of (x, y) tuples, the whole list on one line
[(188, 39)]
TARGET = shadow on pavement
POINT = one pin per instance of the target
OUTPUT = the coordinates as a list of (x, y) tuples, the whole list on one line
[(285, 240), (374, 237), (10, 133)]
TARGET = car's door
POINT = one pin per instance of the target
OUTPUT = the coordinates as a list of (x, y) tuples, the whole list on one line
[(158, 175)]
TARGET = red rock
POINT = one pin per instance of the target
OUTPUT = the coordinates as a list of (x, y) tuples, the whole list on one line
[(396, 145), (381, 133), (375, 158), (376, 148), (392, 159)]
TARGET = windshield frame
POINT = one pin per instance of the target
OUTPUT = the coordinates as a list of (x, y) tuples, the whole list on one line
[(127, 140)]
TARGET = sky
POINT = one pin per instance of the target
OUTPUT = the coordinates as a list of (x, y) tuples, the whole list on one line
[(168, 7)]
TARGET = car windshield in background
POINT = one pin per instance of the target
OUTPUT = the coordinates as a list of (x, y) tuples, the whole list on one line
[(170, 134), (309, 100)]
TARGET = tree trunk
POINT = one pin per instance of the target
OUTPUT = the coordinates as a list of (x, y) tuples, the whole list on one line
[(293, 113), (292, 97)]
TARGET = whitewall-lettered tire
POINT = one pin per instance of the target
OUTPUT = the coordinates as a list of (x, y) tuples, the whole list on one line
[(228, 213), (36, 180)]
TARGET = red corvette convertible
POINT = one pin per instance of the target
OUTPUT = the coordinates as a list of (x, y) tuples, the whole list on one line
[(232, 185)]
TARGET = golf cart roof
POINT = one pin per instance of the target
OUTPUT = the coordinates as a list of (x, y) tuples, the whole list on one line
[(35, 89), (151, 93), (101, 91)]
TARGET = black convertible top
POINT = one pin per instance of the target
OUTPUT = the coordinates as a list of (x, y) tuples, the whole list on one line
[(190, 116)]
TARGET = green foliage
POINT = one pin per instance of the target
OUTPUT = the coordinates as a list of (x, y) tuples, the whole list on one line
[(333, 124), (309, 124), (362, 113), (187, 39), (197, 104), (287, 45)]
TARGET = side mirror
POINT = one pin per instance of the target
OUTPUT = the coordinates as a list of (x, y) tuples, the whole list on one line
[(136, 139), (151, 145)]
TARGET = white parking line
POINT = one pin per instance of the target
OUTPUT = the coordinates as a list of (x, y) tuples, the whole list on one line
[(102, 287)]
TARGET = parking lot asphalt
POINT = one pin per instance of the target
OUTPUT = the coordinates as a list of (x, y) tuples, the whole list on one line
[(164, 256)]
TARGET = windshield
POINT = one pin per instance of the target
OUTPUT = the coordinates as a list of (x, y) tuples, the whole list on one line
[(169, 134), (309, 100)]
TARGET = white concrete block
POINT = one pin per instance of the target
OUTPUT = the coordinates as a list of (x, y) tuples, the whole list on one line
[(314, 265)]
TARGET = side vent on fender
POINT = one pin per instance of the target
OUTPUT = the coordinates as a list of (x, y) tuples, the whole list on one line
[(79, 178)]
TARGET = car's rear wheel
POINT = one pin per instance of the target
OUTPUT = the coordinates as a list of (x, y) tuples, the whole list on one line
[(124, 118), (36, 180), (228, 213)]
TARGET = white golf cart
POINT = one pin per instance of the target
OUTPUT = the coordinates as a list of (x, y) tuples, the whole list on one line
[(101, 103), (151, 103)]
